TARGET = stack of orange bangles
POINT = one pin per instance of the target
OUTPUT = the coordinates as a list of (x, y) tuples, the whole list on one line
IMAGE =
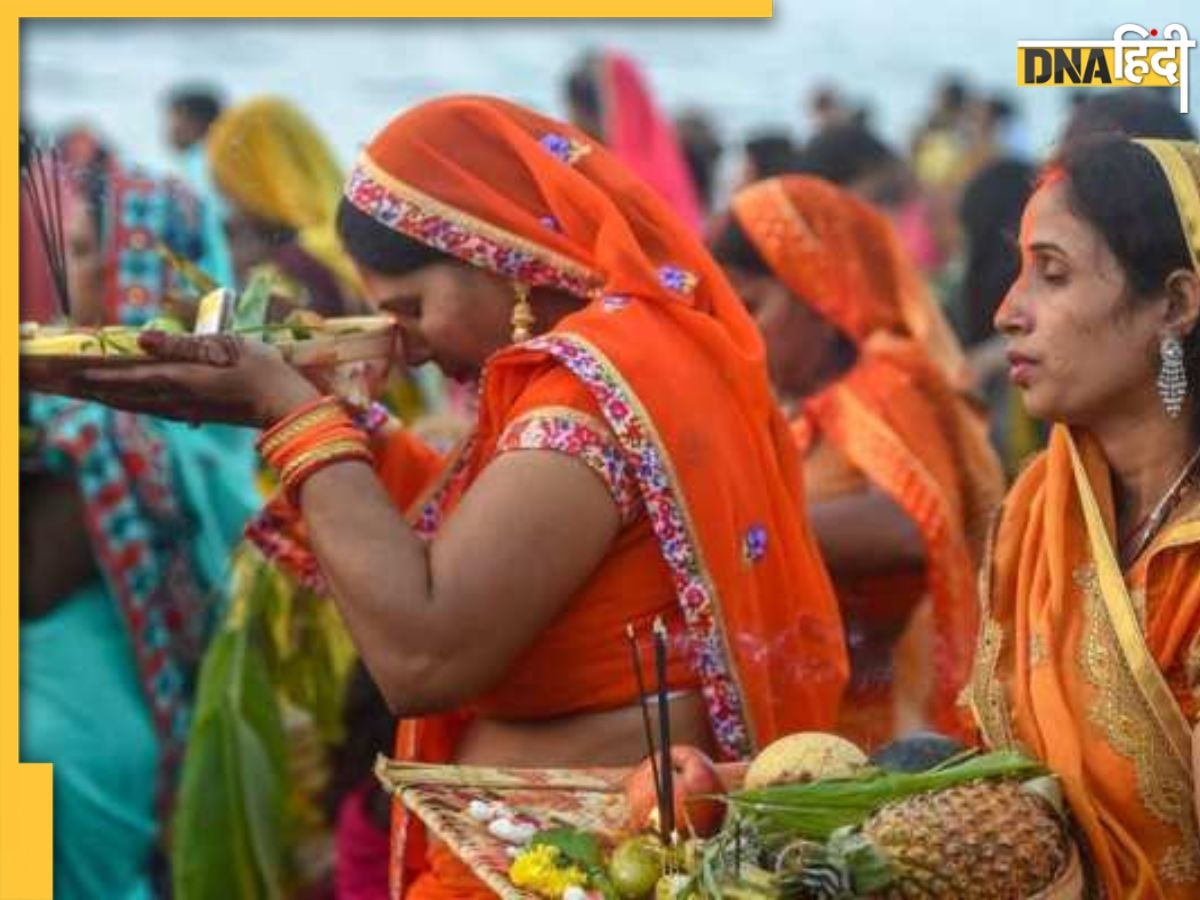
[(310, 438)]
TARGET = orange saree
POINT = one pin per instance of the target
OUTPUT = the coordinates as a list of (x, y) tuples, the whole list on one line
[(895, 421), (663, 356), (1095, 671)]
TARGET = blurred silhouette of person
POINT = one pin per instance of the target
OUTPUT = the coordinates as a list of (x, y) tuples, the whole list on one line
[(702, 148), (191, 111)]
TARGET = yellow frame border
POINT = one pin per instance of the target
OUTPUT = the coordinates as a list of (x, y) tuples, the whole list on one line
[(26, 790)]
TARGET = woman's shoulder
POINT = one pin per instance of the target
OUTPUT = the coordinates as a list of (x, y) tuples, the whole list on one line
[(550, 386)]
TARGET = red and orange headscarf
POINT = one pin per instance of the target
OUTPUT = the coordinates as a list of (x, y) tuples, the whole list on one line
[(896, 415)]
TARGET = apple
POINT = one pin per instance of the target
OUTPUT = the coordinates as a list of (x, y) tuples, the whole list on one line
[(695, 783)]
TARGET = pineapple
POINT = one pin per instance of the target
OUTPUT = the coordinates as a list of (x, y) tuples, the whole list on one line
[(990, 840)]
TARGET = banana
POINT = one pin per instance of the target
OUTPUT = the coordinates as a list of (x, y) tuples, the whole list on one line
[(120, 341), (77, 344)]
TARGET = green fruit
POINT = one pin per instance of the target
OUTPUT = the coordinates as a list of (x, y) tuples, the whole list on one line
[(636, 866), (169, 324), (671, 887)]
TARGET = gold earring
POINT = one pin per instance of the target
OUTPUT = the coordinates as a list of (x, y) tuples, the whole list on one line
[(522, 314)]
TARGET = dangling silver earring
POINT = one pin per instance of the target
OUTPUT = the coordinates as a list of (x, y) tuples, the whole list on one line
[(1172, 378)]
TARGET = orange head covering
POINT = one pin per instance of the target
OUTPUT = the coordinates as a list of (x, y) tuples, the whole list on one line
[(675, 365), (842, 257), (896, 415)]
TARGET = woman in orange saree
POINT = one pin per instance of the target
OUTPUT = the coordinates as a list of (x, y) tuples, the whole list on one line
[(655, 476), (1088, 654), (898, 470)]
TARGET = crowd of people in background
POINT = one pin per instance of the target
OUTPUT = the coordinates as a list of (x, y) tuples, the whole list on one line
[(898, 409)]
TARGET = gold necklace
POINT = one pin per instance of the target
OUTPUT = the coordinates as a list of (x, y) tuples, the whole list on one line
[(1150, 526)]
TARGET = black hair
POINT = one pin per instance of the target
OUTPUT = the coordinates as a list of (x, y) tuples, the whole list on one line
[(733, 249), (990, 216), (1117, 187), (701, 150), (771, 153), (953, 93), (199, 103), (379, 248), (1132, 113), (582, 90), (1000, 108), (25, 140), (844, 153)]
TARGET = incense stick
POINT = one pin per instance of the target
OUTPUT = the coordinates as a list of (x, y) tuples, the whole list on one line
[(664, 725), (60, 242), (635, 652), (43, 192)]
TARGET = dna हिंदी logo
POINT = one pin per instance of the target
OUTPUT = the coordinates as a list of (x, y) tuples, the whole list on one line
[(1144, 60)]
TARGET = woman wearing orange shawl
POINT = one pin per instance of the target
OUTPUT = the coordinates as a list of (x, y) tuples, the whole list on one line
[(610, 99), (1089, 656), (654, 477), (899, 473)]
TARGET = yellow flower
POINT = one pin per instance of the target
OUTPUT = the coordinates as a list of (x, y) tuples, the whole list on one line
[(540, 870)]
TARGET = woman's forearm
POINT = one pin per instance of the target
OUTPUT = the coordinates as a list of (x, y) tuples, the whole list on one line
[(379, 571)]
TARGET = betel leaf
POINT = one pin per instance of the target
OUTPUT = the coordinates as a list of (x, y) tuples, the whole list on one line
[(581, 848), (251, 308)]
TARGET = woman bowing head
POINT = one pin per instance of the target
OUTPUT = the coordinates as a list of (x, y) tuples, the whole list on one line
[(628, 463)]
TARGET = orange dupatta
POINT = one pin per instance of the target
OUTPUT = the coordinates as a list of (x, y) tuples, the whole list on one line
[(675, 366), (1086, 668), (896, 416)]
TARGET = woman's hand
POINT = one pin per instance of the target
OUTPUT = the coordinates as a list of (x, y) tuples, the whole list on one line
[(212, 378)]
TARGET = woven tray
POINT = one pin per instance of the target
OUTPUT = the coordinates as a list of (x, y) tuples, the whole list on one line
[(353, 364), (588, 799)]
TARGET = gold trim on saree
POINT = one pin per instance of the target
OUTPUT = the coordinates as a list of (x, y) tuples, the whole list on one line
[(1143, 667), (984, 693), (1133, 704), (1118, 710)]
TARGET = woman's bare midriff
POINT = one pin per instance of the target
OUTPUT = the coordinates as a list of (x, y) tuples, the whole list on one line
[(610, 738)]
